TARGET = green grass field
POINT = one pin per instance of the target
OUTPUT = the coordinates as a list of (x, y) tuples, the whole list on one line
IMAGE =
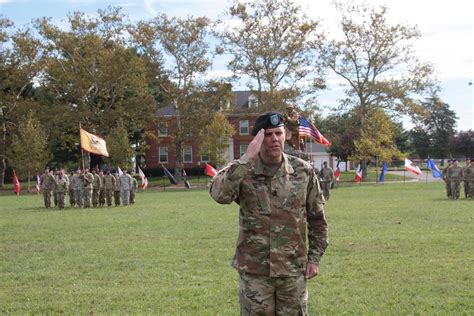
[(394, 249)]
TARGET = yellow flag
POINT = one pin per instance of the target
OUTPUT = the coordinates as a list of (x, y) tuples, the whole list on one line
[(93, 144)]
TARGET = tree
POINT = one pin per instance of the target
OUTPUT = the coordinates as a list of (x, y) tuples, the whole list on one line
[(183, 43), (433, 131), (20, 57), (274, 45), (377, 139), (29, 153), (215, 141), (463, 143), (92, 76), (376, 61), (118, 145)]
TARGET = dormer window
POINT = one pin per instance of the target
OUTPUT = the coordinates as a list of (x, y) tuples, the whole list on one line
[(253, 102)]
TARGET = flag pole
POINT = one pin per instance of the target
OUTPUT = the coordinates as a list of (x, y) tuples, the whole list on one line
[(82, 151)]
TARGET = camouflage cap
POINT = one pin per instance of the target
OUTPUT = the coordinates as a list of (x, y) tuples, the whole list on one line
[(268, 120)]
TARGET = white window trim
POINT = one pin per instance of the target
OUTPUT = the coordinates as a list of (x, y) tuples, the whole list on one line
[(159, 131), (241, 153), (240, 127), (202, 160), (159, 154), (184, 154)]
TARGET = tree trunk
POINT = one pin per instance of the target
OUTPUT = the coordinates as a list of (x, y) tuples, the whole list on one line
[(179, 162)]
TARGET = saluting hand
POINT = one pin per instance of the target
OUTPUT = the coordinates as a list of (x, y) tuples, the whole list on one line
[(255, 144)]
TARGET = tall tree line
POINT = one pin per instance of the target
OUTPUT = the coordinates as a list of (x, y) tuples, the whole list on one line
[(109, 74)]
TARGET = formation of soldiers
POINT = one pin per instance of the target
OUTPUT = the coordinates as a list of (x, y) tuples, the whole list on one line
[(87, 188), (454, 174)]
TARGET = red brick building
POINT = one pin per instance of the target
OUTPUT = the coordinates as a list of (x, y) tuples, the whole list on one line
[(161, 151)]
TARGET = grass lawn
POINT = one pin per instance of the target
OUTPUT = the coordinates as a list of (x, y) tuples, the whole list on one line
[(394, 249)]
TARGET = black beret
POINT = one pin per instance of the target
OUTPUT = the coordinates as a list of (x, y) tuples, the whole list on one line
[(267, 120)]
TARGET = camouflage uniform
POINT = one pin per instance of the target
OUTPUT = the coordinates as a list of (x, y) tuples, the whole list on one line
[(327, 177), (87, 179), (125, 187), (454, 176), (117, 190), (96, 185), (47, 184), (279, 215), (61, 187), (446, 180), (76, 184), (133, 191), (469, 180), (102, 189), (109, 187), (71, 190)]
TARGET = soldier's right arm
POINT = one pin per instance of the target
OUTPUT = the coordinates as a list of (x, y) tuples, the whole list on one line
[(225, 185)]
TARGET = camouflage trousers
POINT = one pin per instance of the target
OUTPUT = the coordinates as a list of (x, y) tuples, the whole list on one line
[(102, 197), (448, 188), (132, 196), (61, 199), (117, 198), (108, 196), (78, 197), (47, 197), (326, 186), (71, 197), (455, 188), (263, 295), (95, 197), (87, 197), (125, 194)]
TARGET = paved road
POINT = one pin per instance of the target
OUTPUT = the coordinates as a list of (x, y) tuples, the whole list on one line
[(424, 176)]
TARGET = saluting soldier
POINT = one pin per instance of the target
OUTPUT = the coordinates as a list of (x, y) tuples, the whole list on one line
[(47, 184), (96, 185), (87, 179), (283, 230)]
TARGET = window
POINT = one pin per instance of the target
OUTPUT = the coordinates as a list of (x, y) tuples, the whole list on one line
[(163, 154), (205, 158), (162, 131), (243, 149), (244, 127), (253, 102), (188, 154)]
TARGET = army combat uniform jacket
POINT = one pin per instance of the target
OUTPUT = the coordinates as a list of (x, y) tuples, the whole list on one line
[(277, 215)]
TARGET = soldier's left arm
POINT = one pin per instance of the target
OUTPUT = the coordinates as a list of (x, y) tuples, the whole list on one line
[(317, 225)]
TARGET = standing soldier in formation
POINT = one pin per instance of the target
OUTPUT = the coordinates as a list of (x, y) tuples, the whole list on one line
[(469, 179), (70, 189), (87, 179), (326, 175), (102, 189), (133, 191), (76, 184), (96, 185), (125, 187), (55, 196), (117, 189), (61, 188), (454, 175), (445, 178), (109, 187), (47, 184)]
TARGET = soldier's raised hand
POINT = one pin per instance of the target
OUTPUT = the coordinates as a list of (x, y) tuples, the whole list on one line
[(255, 144)]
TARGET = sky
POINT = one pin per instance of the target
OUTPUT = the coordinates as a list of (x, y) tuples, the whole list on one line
[(446, 36)]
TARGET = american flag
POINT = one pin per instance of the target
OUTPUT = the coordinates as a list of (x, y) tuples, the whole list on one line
[(307, 129)]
